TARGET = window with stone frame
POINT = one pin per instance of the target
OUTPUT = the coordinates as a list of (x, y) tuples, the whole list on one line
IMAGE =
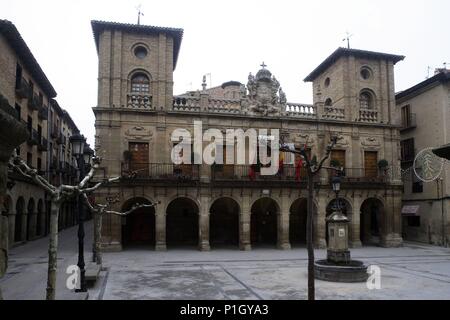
[(365, 100), (140, 83)]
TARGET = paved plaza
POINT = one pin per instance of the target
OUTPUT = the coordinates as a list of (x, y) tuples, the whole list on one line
[(415, 271)]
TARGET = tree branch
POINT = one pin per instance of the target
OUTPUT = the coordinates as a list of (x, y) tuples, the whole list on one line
[(101, 208), (327, 154), (23, 169)]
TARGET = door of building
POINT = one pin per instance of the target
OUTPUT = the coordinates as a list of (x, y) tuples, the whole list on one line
[(370, 164), (139, 158)]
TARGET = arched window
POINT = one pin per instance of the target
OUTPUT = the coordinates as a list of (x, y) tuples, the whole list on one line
[(365, 100), (328, 102), (140, 83)]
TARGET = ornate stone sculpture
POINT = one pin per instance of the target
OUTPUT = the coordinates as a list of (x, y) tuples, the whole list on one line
[(265, 97)]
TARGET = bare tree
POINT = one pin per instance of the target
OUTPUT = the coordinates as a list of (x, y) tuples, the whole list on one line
[(57, 195), (99, 210), (313, 168)]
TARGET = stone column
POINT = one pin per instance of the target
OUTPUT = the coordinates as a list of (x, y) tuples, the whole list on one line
[(111, 240), (244, 225), (203, 224), (283, 225), (160, 226), (320, 223), (391, 231), (356, 223)]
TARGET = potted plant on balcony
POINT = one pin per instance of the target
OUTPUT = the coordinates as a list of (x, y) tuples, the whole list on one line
[(383, 166), (335, 163)]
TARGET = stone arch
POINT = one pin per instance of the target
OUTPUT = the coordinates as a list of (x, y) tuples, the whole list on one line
[(177, 196), (182, 222), (138, 228), (298, 213), (18, 224), (224, 222), (40, 217), (263, 221), (30, 215), (347, 210), (372, 221), (145, 76), (367, 99)]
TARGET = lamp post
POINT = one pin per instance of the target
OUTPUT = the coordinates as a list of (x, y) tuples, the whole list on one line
[(338, 229), (78, 142)]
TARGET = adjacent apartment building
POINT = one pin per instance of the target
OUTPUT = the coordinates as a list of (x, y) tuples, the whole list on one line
[(208, 206), (425, 114), (27, 89)]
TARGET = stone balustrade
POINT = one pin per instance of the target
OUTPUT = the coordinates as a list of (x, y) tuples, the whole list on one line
[(139, 101), (224, 106), (191, 104), (370, 116), (296, 110), (333, 113)]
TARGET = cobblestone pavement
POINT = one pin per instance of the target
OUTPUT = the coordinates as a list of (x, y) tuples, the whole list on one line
[(415, 271)]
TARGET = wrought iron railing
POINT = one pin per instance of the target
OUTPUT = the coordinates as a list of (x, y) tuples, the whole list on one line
[(253, 173), (160, 171), (362, 175)]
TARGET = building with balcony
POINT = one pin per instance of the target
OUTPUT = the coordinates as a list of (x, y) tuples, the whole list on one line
[(26, 87), (208, 206), (425, 115)]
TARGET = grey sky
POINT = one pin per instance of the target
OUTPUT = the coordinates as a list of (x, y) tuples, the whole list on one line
[(229, 39)]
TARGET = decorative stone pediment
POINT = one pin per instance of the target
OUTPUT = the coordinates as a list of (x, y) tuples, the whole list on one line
[(370, 142), (304, 139), (342, 142), (265, 96), (139, 133)]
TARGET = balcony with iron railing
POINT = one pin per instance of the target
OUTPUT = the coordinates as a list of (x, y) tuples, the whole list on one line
[(23, 89), (160, 172), (34, 102), (34, 137), (54, 132), (362, 175), (43, 113), (250, 173), (409, 122), (43, 144)]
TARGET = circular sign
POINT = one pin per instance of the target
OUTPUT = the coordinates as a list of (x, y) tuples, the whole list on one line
[(428, 166)]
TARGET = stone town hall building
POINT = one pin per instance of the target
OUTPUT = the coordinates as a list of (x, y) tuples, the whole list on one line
[(233, 205)]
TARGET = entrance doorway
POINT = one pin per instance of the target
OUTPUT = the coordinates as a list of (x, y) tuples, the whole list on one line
[(371, 226), (264, 222), (138, 228), (297, 222), (224, 223), (182, 223)]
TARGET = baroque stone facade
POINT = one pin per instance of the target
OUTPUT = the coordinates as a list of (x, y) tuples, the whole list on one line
[(233, 205)]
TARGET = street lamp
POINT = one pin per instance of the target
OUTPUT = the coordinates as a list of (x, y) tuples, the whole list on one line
[(88, 153), (336, 183), (78, 143)]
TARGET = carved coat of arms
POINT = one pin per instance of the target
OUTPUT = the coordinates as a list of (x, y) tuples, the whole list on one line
[(265, 95)]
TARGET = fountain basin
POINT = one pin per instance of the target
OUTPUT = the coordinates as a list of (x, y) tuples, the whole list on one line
[(350, 272)]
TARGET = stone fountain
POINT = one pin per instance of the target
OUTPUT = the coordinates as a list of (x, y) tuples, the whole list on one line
[(339, 267)]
